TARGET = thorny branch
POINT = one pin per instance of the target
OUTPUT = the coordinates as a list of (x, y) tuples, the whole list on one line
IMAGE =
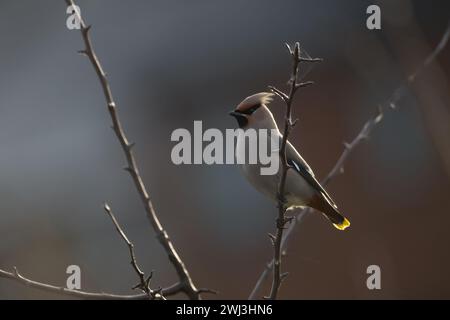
[(16, 276), (144, 283), (282, 220), (364, 133), (186, 284)]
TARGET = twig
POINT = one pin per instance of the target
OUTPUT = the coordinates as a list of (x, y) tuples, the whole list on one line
[(185, 280), (350, 147), (144, 283), (17, 277), (288, 125)]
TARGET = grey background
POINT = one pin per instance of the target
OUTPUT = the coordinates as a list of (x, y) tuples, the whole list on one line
[(173, 62)]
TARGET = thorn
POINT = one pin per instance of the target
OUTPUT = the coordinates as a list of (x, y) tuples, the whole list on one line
[(310, 59), (283, 276), (149, 278), (380, 115), (293, 123), (83, 53), (296, 53), (128, 169), (206, 290), (304, 84), (131, 145), (138, 286), (347, 145), (279, 93), (289, 121), (288, 47), (272, 238)]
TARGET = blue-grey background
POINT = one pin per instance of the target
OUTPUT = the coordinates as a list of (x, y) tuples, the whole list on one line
[(173, 62)]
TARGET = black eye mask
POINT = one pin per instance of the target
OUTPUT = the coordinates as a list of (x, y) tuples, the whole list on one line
[(251, 110), (241, 115), (242, 121)]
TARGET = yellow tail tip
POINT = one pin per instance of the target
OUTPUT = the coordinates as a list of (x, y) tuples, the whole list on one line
[(342, 226)]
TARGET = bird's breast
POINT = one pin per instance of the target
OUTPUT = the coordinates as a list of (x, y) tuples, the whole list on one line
[(298, 192)]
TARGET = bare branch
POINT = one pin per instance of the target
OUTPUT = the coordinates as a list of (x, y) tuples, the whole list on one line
[(188, 286), (278, 277), (349, 148), (144, 284), (17, 277)]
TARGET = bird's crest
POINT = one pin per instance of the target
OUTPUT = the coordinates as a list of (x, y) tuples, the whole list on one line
[(256, 99)]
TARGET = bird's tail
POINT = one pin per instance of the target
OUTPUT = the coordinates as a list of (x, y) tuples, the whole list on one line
[(338, 220), (330, 211)]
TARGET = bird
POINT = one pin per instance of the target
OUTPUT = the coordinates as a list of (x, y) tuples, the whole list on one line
[(301, 186)]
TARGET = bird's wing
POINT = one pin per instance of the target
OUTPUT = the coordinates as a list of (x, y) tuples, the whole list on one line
[(295, 160)]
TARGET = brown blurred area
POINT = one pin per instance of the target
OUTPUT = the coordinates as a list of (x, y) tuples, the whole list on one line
[(170, 63)]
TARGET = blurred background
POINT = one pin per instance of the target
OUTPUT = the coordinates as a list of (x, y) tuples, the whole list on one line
[(173, 62)]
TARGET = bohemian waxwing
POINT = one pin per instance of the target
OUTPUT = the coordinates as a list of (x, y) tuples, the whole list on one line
[(302, 188)]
